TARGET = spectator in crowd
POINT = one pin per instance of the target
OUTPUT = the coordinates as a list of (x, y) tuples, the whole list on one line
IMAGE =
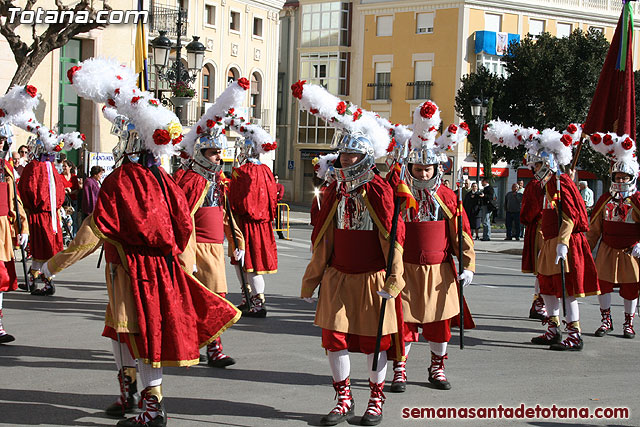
[(488, 207), (91, 190), (472, 203), (587, 195), (59, 163), (512, 203), (447, 183), (466, 187), (71, 189), (22, 161), (521, 186), (279, 197)]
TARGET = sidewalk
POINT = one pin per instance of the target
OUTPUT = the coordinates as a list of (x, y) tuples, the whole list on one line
[(299, 218)]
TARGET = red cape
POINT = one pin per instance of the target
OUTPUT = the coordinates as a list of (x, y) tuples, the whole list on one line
[(33, 187), (176, 313), (530, 214)]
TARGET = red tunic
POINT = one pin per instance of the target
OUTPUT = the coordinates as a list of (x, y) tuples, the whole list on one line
[(253, 195), (530, 214), (34, 192), (175, 312), (582, 278), (8, 277)]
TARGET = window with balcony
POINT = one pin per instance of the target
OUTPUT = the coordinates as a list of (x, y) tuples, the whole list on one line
[(536, 27), (384, 26), (563, 30), (326, 24), (420, 87), (210, 15), (328, 69), (424, 23), (257, 27), (492, 22), (234, 21), (380, 89)]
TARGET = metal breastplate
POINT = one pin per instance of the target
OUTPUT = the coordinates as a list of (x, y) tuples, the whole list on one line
[(352, 213), (214, 195), (618, 211), (428, 208)]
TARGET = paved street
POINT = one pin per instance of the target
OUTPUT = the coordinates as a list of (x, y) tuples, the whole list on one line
[(60, 371)]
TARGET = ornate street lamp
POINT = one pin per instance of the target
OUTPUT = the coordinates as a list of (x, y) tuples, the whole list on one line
[(479, 113)]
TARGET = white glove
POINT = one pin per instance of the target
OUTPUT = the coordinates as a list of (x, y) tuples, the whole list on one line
[(195, 268), (238, 255), (384, 295), (23, 239), (465, 278), (561, 252), (310, 300), (45, 271), (635, 251)]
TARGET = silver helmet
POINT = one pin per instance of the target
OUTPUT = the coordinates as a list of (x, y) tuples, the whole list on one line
[(129, 142), (216, 139), (549, 164), (358, 143), (623, 189)]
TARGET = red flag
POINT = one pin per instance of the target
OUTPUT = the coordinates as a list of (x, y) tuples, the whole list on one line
[(613, 108)]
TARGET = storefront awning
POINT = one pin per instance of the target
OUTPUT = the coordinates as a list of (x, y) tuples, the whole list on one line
[(499, 172)]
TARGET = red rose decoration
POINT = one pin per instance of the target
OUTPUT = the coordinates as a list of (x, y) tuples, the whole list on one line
[(198, 130), (453, 129), (428, 109), (627, 144), (111, 102), (153, 102), (232, 122), (392, 145), (71, 72), (465, 126), (607, 140), (566, 140), (242, 129), (161, 137), (314, 111), (572, 128), (117, 91), (224, 131), (177, 140), (268, 147), (135, 99), (596, 139), (118, 77), (244, 83), (2, 114), (57, 148), (485, 127), (341, 108), (210, 123), (297, 88), (231, 111), (31, 90), (357, 114), (83, 137)]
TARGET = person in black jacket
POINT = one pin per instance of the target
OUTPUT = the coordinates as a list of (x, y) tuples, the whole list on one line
[(488, 207), (472, 203)]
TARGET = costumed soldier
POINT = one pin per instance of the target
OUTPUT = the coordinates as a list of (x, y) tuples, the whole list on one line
[(430, 297), (42, 191), (351, 243), (615, 224), (17, 102), (253, 198), (157, 312), (564, 244), (206, 190)]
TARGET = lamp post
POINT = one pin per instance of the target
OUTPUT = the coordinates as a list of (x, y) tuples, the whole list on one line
[(176, 74), (479, 112)]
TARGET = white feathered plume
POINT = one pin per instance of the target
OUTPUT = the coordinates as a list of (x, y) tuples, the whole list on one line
[(252, 134), (321, 164), (426, 121), (224, 106), (341, 114)]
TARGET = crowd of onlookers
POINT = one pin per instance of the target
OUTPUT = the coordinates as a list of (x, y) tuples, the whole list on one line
[(81, 192)]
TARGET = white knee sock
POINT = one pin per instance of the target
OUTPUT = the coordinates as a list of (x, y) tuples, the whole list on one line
[(553, 304), (149, 377), (379, 375), (340, 364), (605, 301), (122, 355), (573, 311), (629, 305), (438, 348), (407, 348), (36, 265), (257, 283), (536, 287)]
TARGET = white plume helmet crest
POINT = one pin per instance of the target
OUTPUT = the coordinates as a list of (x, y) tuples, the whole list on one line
[(323, 165), (620, 150), (103, 80), (342, 115), (212, 121)]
